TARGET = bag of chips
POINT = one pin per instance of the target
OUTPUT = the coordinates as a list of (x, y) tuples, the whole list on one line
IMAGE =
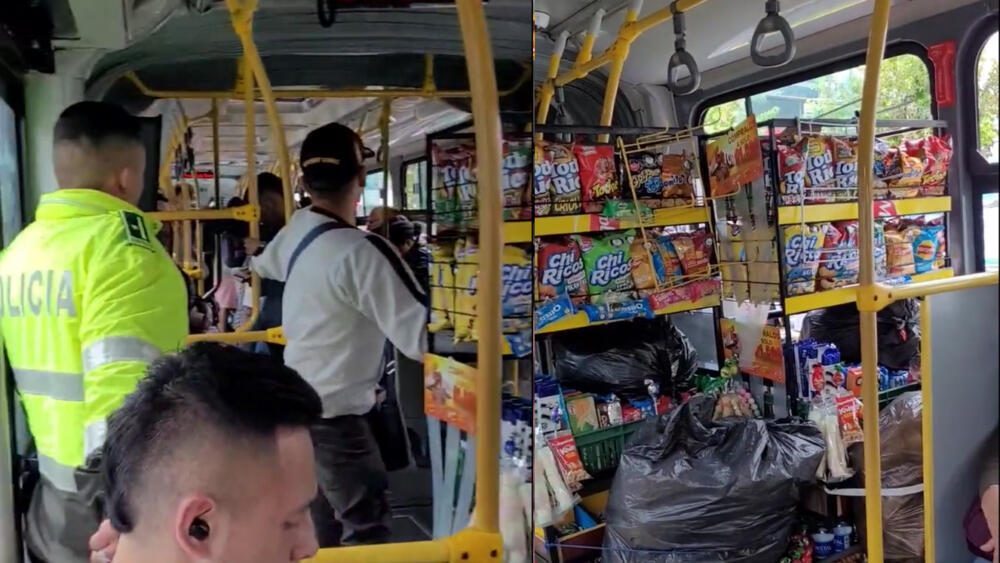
[(452, 170), (845, 171), (907, 183), (925, 247), (560, 270), (566, 194), (442, 286), (514, 179), (791, 171), (647, 265), (937, 158), (644, 171), (516, 289), (542, 181), (802, 250), (608, 263), (676, 173), (466, 274), (819, 168), (881, 267), (942, 248), (880, 176), (899, 254), (839, 260), (598, 180), (694, 250)]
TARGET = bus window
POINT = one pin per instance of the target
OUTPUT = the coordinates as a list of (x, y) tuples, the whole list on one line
[(414, 180), (372, 196), (10, 183), (991, 230), (905, 93), (988, 82)]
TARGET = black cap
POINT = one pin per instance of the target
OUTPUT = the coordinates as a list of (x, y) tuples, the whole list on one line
[(332, 144)]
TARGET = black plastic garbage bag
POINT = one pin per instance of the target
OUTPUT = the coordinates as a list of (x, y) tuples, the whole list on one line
[(898, 329), (619, 357), (692, 490)]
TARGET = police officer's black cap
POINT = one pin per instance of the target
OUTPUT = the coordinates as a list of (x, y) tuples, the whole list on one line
[(333, 145)]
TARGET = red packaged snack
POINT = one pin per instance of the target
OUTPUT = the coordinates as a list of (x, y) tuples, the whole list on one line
[(598, 181), (560, 270), (936, 156), (791, 173), (675, 172), (567, 457), (694, 251)]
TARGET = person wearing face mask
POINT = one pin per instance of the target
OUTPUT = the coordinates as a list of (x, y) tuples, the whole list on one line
[(346, 292), (210, 461), (91, 297)]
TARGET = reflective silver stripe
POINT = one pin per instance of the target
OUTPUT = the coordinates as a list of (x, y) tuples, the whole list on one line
[(93, 436), (61, 386), (118, 349), (61, 476)]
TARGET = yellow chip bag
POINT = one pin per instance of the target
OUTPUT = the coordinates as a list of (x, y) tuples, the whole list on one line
[(442, 286), (466, 274)]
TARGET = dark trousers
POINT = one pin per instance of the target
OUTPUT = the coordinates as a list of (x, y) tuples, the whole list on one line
[(352, 507), (59, 524)]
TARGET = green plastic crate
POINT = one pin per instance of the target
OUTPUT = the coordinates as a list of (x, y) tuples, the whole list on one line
[(601, 450)]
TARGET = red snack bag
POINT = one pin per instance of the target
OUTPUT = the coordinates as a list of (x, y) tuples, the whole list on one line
[(598, 180), (568, 459), (791, 173), (847, 414), (937, 156), (694, 251), (560, 270)]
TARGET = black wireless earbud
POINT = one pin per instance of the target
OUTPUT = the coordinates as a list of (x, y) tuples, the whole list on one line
[(199, 530)]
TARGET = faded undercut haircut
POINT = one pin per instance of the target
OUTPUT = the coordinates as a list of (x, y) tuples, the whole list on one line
[(206, 392), (95, 129)]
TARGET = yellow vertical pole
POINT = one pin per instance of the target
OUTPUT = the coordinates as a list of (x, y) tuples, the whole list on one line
[(548, 89), (185, 225), (250, 145), (622, 46), (868, 306), (486, 117), (927, 428), (587, 49)]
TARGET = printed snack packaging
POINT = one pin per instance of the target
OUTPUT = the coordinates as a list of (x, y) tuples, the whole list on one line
[(566, 194), (516, 289), (442, 286), (791, 171), (514, 178), (608, 264), (560, 270), (598, 180), (845, 167), (694, 250), (881, 170), (676, 174), (802, 250), (881, 267), (644, 171), (453, 171), (466, 274), (936, 156), (819, 168), (647, 265), (942, 248), (671, 263), (925, 247), (899, 253), (542, 181), (907, 183), (838, 265)]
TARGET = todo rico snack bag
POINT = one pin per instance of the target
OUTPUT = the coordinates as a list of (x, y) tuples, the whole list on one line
[(453, 165), (608, 263), (442, 286), (466, 277), (516, 289), (514, 179), (937, 156), (598, 180), (560, 270), (819, 168), (802, 249), (542, 181), (791, 171), (845, 167), (566, 194), (676, 173)]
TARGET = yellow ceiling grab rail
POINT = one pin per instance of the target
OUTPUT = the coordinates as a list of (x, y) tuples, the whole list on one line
[(283, 93)]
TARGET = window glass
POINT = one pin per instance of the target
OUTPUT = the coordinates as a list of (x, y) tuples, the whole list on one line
[(991, 231), (905, 93), (986, 72), (10, 182), (414, 180), (372, 196)]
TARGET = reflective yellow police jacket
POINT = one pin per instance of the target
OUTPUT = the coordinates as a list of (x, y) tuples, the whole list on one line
[(88, 297)]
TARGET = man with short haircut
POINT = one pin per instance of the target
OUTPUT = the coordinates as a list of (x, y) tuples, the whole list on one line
[(210, 460), (90, 297), (346, 291)]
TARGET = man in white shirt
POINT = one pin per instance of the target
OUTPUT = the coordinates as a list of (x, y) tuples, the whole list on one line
[(346, 291)]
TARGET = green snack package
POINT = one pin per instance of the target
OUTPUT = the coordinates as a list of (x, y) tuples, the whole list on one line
[(608, 263)]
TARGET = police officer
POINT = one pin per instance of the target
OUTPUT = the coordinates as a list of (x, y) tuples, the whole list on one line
[(88, 297)]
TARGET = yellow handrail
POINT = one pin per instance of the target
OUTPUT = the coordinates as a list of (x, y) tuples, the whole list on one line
[(927, 430), (250, 130)]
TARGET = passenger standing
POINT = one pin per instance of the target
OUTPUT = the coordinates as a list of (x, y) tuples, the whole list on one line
[(90, 298), (346, 292)]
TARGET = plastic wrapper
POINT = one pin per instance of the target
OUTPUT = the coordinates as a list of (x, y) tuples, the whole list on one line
[(902, 466), (598, 180), (620, 358), (644, 170), (466, 274), (516, 288), (454, 164), (802, 253), (442, 286), (607, 260), (898, 328), (566, 196), (676, 174), (560, 270), (702, 491), (542, 181), (791, 171), (514, 179)]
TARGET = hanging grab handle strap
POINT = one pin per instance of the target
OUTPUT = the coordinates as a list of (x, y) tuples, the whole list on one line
[(681, 59), (772, 23)]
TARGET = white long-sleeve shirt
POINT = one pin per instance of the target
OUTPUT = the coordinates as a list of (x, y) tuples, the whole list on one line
[(348, 292)]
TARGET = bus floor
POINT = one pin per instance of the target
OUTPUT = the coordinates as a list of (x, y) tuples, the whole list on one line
[(411, 504)]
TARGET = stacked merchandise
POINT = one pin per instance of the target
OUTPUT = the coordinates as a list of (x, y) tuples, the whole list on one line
[(455, 252), (515, 478), (621, 274), (815, 169)]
